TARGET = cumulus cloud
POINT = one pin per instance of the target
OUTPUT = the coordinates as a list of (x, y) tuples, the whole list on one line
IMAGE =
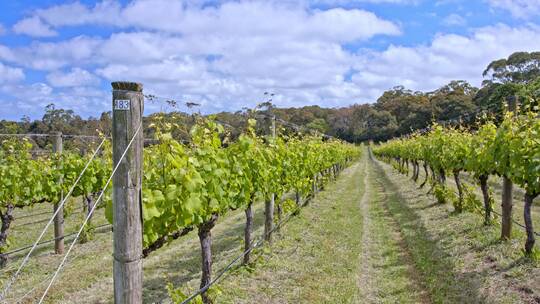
[(341, 2), (31, 99), (105, 12), (53, 55), (222, 55), (518, 8), (77, 77), (195, 30), (447, 57), (244, 18), (454, 20), (10, 74), (33, 26)]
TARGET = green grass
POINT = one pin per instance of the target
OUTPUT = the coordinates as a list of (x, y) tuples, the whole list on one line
[(24, 231), (393, 274)]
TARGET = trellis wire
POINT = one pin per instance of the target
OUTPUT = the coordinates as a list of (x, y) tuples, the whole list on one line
[(27, 257), (49, 241), (62, 263), (454, 119), (229, 266), (76, 211), (515, 222), (49, 135)]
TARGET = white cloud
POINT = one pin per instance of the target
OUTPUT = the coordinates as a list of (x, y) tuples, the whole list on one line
[(342, 2), (201, 31), (448, 57), (341, 25), (518, 8), (33, 26), (234, 19), (77, 77), (53, 55), (106, 12), (10, 74), (6, 53), (27, 99), (2, 30), (454, 20), (31, 99)]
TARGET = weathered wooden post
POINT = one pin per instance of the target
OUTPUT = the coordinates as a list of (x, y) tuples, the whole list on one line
[(128, 103), (247, 232), (506, 201), (506, 206), (269, 204), (57, 147)]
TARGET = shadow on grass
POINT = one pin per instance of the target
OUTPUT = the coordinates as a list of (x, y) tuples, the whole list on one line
[(189, 264), (491, 243), (48, 248), (522, 260), (435, 204), (435, 265)]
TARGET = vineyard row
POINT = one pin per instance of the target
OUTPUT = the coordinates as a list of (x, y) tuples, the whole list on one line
[(510, 149)]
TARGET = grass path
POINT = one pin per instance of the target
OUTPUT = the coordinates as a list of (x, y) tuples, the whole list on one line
[(407, 250), (393, 273), (365, 282)]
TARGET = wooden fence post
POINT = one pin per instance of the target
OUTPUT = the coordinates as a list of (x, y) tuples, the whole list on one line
[(506, 205), (269, 204), (128, 103), (57, 146)]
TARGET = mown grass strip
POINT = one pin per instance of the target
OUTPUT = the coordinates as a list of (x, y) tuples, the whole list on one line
[(434, 264)]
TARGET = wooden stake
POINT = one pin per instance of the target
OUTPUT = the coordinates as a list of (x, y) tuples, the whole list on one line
[(269, 203), (506, 205), (128, 103), (59, 218), (268, 219), (248, 231)]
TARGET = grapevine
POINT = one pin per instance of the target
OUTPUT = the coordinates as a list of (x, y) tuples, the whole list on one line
[(511, 149)]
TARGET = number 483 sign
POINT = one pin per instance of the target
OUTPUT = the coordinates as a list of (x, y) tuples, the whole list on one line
[(122, 104)]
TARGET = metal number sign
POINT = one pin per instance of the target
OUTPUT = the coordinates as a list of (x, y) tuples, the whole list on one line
[(122, 104)]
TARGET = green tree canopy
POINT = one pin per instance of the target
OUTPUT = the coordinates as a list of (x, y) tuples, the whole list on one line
[(520, 67)]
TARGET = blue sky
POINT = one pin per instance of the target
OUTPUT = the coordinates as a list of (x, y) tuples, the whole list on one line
[(225, 54)]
